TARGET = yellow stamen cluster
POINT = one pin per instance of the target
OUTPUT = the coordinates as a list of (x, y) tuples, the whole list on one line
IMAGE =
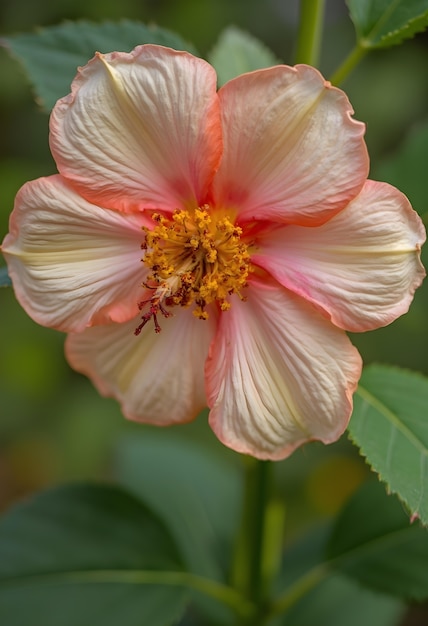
[(195, 257)]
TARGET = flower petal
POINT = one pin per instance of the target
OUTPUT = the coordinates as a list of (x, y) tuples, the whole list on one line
[(72, 263), (278, 375), (139, 130), (292, 152), (157, 378), (361, 268)]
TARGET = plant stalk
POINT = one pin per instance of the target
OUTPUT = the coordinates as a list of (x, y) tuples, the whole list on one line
[(248, 574), (350, 62), (310, 31)]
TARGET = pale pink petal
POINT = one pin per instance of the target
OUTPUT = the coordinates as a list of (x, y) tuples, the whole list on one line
[(292, 152), (140, 129), (361, 268), (73, 263), (279, 374), (157, 378)]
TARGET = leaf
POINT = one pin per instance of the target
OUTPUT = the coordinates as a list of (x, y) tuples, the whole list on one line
[(334, 599), (237, 52), (338, 601), (389, 425), (83, 555), (384, 23), (374, 543), (195, 492), (4, 278), (52, 55)]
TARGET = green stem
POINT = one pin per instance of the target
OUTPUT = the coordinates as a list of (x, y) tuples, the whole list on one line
[(348, 64), (310, 31), (298, 590), (248, 575)]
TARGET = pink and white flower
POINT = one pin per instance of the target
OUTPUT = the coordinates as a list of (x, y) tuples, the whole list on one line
[(238, 222)]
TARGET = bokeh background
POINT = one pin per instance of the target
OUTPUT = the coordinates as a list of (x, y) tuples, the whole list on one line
[(53, 425)]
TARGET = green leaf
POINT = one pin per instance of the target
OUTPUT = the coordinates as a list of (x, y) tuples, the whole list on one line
[(194, 491), (312, 594), (389, 425), (4, 278), (86, 555), (237, 52), (338, 601), (374, 543), (52, 55), (384, 23)]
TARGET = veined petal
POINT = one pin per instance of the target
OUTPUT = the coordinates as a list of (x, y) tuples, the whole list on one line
[(140, 130), (157, 378), (292, 152), (279, 374), (361, 268), (72, 263)]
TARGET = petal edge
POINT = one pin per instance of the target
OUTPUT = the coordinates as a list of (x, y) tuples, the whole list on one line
[(279, 375)]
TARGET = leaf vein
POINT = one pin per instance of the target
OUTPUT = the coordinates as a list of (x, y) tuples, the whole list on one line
[(392, 418)]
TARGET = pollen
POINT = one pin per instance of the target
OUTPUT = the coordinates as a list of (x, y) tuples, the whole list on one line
[(195, 258)]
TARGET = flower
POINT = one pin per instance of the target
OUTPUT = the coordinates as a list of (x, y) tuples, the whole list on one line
[(212, 248)]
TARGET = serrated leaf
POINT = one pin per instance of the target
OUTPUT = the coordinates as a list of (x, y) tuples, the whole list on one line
[(196, 493), (384, 23), (374, 543), (52, 55), (4, 278), (237, 52), (389, 425), (82, 555)]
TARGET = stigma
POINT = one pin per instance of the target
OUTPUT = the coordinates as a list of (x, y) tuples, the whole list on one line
[(195, 258)]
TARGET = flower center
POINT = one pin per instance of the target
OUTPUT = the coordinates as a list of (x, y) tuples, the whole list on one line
[(194, 258)]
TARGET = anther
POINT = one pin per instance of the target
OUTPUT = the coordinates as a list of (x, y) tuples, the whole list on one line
[(155, 307), (194, 259)]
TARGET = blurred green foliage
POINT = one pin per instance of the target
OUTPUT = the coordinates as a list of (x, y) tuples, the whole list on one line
[(53, 425)]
